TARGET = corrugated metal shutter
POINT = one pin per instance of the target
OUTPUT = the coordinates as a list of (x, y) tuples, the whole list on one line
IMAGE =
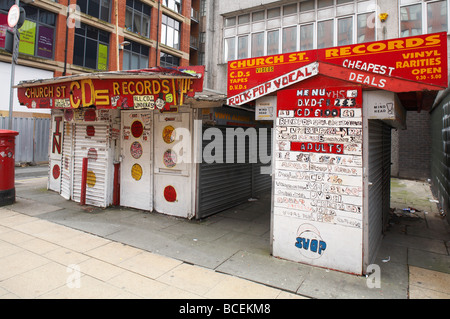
[(96, 148), (379, 179), (67, 163), (223, 185), (262, 179)]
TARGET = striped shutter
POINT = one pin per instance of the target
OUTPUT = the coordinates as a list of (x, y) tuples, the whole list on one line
[(91, 140), (67, 163)]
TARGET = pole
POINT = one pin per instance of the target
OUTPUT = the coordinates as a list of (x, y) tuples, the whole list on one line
[(157, 34), (83, 181), (13, 71)]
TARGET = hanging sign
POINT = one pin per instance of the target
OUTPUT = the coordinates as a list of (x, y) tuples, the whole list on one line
[(398, 65)]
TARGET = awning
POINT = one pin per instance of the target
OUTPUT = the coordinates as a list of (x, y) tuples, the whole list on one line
[(415, 68), (139, 89)]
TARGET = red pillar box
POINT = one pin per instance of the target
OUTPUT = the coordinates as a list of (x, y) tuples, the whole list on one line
[(7, 145)]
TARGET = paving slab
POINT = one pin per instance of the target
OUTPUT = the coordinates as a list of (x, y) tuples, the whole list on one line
[(428, 284)]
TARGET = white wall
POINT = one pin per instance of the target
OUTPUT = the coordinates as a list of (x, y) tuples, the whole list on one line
[(22, 73)]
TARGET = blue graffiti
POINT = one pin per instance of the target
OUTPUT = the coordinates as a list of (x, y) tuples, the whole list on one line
[(313, 245)]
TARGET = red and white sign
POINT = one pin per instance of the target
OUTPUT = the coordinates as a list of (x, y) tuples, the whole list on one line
[(276, 84), (13, 15), (398, 65)]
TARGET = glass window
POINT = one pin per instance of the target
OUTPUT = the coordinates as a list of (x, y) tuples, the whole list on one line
[(137, 18), (325, 33), (290, 9), (437, 16), (289, 39), (100, 9), (366, 27), (37, 34), (307, 5), (91, 48), (273, 40), (345, 31), (135, 56), (230, 22), (324, 3), (258, 16), (243, 47), (306, 37), (273, 13), (168, 60), (243, 19), (170, 32), (257, 44), (175, 5), (230, 49), (343, 1), (411, 20)]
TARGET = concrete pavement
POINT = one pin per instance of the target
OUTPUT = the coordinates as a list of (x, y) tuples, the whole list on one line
[(53, 248)]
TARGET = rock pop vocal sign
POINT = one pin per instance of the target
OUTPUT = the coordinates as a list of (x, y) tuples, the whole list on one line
[(418, 60)]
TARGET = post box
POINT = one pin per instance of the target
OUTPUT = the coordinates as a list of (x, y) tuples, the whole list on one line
[(7, 188)]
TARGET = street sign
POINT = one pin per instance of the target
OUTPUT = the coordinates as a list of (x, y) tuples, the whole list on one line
[(13, 15)]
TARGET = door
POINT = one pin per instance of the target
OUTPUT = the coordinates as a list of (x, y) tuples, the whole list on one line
[(55, 151), (173, 164), (136, 184)]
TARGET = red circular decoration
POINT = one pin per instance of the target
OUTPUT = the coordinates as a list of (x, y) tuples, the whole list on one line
[(56, 171), (90, 115), (137, 129), (170, 194), (68, 115), (90, 130), (92, 154)]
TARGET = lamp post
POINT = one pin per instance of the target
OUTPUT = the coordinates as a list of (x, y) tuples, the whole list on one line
[(15, 54)]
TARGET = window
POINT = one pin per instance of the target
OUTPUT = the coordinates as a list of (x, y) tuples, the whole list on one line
[(135, 56), (273, 13), (91, 48), (411, 20), (273, 39), (100, 9), (289, 39), (423, 17), (137, 18), (307, 37), (230, 49), (243, 19), (168, 60), (366, 27), (174, 5), (170, 32), (307, 5), (257, 44), (37, 34), (290, 9), (437, 16), (243, 47), (258, 16), (345, 31), (325, 33)]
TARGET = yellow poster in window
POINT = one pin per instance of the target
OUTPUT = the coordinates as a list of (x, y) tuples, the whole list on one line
[(27, 37), (102, 58)]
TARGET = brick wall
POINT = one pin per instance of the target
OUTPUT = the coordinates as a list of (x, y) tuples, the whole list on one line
[(414, 147)]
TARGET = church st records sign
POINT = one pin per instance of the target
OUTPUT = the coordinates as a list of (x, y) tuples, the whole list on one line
[(420, 60)]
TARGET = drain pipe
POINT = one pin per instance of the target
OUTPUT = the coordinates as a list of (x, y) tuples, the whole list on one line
[(157, 34)]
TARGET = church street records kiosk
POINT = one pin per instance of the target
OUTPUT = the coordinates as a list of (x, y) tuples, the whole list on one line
[(121, 138), (335, 108)]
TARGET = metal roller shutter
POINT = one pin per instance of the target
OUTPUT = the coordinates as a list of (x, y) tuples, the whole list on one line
[(91, 140), (223, 185), (379, 179), (67, 163)]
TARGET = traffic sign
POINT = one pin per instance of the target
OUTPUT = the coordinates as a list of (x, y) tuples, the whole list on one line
[(13, 16)]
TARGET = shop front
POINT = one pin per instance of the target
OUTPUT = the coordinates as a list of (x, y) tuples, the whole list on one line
[(137, 139), (335, 109)]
